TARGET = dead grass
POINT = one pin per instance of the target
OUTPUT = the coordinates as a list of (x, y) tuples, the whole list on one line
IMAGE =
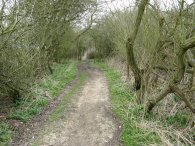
[(170, 119)]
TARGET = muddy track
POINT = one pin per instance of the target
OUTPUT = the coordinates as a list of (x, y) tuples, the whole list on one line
[(88, 122)]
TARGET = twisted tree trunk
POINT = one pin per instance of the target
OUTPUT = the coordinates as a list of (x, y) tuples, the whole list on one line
[(173, 85), (131, 63)]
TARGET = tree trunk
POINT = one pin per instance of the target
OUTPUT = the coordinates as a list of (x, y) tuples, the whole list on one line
[(172, 87), (152, 103), (132, 64), (49, 67), (130, 46)]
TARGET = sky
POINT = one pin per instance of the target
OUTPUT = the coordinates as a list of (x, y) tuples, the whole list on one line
[(112, 5), (123, 4)]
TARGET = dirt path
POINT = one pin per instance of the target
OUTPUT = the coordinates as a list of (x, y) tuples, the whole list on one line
[(88, 122)]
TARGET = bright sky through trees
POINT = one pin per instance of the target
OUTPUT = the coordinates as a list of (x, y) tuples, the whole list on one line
[(123, 4)]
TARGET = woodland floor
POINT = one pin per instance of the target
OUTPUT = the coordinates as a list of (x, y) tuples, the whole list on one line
[(87, 120)]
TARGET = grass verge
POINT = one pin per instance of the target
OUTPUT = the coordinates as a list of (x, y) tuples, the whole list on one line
[(5, 134), (44, 91), (41, 94), (143, 129), (61, 109), (58, 113), (129, 115)]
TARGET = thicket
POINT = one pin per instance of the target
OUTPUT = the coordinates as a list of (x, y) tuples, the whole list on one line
[(42, 93), (157, 47), (34, 35)]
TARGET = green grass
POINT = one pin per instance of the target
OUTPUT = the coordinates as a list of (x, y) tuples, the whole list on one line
[(39, 98), (61, 109), (5, 134), (63, 74), (46, 90), (179, 120), (129, 116), (30, 108), (58, 112)]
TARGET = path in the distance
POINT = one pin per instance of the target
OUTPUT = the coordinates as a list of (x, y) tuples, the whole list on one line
[(89, 121)]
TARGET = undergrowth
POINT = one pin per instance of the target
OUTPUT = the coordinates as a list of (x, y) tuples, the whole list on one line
[(5, 134), (44, 91), (139, 128)]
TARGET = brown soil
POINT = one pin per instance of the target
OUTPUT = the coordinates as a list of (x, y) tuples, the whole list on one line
[(88, 121)]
